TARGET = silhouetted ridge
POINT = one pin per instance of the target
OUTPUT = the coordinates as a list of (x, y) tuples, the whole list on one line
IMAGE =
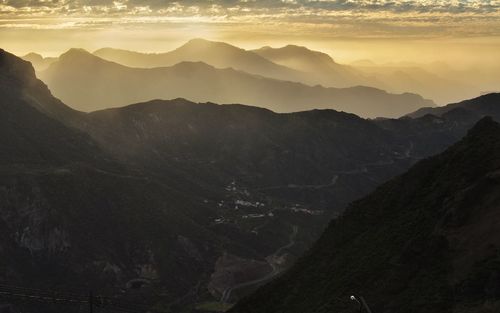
[(89, 83), (68, 209), (15, 70), (485, 126), (426, 241), (488, 104), (18, 80), (180, 202)]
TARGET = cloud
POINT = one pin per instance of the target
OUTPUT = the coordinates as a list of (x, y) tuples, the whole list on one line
[(359, 17), (453, 6)]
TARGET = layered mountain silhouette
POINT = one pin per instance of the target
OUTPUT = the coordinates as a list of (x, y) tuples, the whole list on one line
[(73, 217), (436, 81), (318, 67), (426, 241), (38, 61), (300, 64), (426, 80), (169, 189), (217, 54), (291, 63), (88, 83)]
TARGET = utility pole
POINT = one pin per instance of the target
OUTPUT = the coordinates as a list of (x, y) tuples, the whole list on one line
[(91, 302)]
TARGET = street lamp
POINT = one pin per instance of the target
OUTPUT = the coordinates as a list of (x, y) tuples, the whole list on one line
[(362, 303)]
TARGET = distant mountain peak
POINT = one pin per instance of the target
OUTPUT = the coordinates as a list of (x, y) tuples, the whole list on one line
[(200, 43), (296, 47), (38, 61), (33, 56), (190, 65), (322, 66), (199, 40), (76, 52), (296, 51), (77, 57)]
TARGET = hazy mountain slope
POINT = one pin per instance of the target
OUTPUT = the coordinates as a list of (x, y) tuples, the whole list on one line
[(22, 121), (300, 64), (426, 241), (212, 206), (39, 62), (396, 78), (320, 158), (309, 163), (87, 82), (481, 106), (319, 68), (233, 178), (84, 218), (72, 216), (419, 79), (260, 149), (217, 54)]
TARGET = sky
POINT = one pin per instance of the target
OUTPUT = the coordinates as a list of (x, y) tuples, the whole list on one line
[(466, 33)]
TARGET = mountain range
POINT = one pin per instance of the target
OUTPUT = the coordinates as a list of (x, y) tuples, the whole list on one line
[(218, 54), (290, 63), (74, 217), (300, 64), (426, 241), (38, 61), (436, 81), (190, 199), (88, 83), (483, 106)]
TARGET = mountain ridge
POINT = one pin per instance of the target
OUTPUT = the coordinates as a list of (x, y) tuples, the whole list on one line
[(118, 85), (217, 54), (483, 105), (421, 257), (251, 174)]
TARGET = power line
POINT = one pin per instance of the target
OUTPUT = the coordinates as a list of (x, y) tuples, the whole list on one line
[(57, 297)]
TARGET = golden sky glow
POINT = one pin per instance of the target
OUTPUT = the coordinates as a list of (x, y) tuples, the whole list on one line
[(384, 30)]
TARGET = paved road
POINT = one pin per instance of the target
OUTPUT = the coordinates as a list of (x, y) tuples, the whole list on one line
[(226, 295)]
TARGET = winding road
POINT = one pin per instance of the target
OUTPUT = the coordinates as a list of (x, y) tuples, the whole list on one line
[(271, 259)]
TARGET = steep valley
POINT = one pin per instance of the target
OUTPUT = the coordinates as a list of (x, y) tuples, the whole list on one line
[(192, 199)]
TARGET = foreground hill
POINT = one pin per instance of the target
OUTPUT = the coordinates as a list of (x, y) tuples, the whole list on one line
[(72, 216), (219, 187), (257, 185), (317, 160), (87, 83), (426, 241)]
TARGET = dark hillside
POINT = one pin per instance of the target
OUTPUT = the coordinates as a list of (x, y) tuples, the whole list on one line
[(426, 241)]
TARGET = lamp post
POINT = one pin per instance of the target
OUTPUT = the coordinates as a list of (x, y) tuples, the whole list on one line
[(362, 303)]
